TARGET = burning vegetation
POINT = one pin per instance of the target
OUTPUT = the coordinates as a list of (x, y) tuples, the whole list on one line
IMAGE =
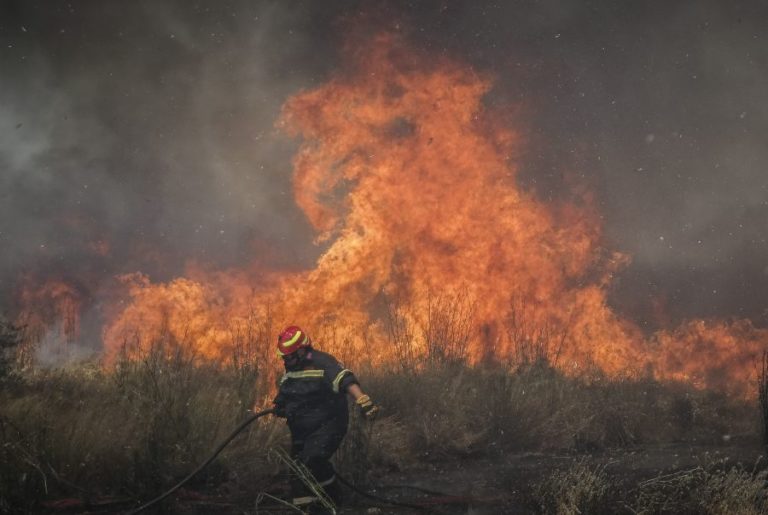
[(410, 181), (477, 312)]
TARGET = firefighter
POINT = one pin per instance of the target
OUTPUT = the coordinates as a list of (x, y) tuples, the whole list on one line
[(312, 397)]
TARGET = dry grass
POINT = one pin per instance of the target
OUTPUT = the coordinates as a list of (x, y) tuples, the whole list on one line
[(457, 410), (581, 488), (301, 471), (130, 432), (712, 488), (135, 429)]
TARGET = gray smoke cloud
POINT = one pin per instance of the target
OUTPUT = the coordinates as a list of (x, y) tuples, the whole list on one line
[(149, 127), (140, 135)]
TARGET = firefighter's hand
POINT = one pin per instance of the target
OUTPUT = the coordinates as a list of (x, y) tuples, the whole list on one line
[(367, 406)]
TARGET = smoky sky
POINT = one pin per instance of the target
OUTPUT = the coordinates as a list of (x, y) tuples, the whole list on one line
[(140, 136)]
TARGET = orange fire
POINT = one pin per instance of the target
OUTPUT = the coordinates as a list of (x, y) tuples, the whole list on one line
[(411, 181), (711, 353)]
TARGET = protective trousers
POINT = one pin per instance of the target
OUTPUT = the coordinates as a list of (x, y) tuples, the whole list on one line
[(314, 450)]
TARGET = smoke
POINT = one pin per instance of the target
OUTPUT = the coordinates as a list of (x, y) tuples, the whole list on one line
[(140, 136)]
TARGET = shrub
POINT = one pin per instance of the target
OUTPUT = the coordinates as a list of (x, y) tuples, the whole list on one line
[(133, 431), (581, 488), (138, 427), (712, 488)]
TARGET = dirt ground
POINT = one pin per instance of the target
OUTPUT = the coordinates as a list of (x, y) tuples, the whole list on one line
[(496, 484), (501, 484)]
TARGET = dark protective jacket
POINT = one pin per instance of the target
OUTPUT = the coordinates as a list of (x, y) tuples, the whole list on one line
[(314, 396)]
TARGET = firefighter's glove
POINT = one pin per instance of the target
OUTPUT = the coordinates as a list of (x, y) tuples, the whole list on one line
[(367, 406)]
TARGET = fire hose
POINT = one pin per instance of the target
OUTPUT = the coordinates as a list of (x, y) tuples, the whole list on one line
[(245, 423)]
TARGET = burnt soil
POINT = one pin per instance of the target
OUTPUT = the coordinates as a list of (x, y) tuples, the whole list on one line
[(500, 483), (478, 485), (503, 484)]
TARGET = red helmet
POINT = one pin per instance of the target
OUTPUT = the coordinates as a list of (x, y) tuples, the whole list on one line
[(291, 339)]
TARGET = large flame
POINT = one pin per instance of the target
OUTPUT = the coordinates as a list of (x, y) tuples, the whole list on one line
[(432, 204), (411, 182)]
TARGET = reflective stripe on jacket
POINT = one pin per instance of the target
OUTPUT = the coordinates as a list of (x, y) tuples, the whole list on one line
[(315, 394)]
